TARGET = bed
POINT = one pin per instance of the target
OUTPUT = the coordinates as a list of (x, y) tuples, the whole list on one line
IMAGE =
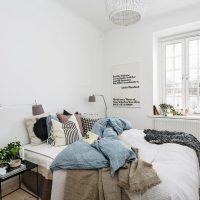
[(43, 155), (176, 165)]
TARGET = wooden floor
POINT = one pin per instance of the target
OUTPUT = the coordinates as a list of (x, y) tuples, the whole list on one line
[(18, 195)]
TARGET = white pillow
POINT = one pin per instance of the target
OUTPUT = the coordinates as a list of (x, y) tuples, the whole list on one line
[(58, 133), (29, 122)]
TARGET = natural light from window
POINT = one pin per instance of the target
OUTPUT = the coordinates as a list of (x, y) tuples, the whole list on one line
[(181, 73)]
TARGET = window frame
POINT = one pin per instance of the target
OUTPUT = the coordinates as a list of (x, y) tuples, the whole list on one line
[(162, 42), (187, 40)]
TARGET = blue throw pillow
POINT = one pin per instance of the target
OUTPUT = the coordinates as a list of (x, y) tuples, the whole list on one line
[(49, 127), (79, 155), (115, 151)]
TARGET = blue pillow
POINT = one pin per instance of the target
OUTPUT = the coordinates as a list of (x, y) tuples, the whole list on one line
[(79, 155), (115, 151), (49, 126)]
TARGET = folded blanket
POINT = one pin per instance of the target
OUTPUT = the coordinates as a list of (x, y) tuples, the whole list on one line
[(99, 185), (137, 177), (161, 137)]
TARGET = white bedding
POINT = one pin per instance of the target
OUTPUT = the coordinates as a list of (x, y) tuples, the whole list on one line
[(176, 165), (42, 154)]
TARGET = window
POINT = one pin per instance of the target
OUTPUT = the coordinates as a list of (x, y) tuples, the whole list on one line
[(181, 72)]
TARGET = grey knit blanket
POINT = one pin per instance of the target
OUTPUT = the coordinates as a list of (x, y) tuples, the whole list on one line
[(161, 137)]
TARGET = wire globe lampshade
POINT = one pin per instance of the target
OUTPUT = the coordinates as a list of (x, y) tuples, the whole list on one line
[(125, 12)]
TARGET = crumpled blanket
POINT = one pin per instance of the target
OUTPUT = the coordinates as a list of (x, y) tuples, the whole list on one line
[(161, 137), (116, 124), (109, 151), (135, 177)]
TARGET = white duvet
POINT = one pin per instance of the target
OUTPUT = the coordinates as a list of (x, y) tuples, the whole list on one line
[(176, 165)]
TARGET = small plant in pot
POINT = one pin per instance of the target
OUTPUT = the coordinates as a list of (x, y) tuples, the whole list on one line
[(9, 155), (164, 108), (168, 109)]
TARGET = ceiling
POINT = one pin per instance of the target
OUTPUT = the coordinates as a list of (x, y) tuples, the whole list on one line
[(94, 10)]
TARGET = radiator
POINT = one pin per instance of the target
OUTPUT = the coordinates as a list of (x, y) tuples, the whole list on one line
[(184, 125)]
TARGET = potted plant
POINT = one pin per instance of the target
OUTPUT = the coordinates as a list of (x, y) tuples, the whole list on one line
[(164, 108), (168, 109), (10, 153)]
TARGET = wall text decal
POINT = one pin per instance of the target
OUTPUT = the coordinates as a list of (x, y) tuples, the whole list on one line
[(126, 85)]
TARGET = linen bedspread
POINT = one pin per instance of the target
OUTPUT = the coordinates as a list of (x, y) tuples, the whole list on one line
[(136, 177), (176, 165)]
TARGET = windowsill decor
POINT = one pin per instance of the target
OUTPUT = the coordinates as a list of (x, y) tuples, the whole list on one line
[(169, 110)]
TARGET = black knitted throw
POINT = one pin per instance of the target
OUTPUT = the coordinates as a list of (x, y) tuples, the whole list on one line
[(161, 137)]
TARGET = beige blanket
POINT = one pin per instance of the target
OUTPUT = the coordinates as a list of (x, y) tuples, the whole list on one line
[(136, 177)]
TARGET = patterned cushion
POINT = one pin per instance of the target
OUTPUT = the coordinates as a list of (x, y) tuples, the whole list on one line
[(57, 135), (71, 132), (40, 128), (65, 118), (29, 122), (60, 133), (88, 124)]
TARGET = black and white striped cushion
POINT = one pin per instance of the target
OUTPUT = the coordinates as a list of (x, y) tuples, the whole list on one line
[(71, 132)]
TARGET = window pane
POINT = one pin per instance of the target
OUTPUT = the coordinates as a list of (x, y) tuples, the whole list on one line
[(178, 49), (193, 91), (193, 61), (169, 77), (193, 103), (199, 50), (169, 50), (174, 74), (177, 76), (193, 75), (169, 63), (178, 63), (193, 84), (169, 91), (193, 47), (177, 91), (170, 100), (178, 102)]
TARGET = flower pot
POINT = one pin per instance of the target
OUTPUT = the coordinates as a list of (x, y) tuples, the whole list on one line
[(15, 163)]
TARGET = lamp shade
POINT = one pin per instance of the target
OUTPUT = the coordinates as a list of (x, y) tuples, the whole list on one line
[(92, 99), (37, 109), (126, 12)]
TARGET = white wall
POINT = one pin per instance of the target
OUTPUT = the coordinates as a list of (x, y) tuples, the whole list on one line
[(135, 44), (49, 54)]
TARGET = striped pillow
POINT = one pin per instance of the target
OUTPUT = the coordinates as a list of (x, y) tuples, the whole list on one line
[(71, 132)]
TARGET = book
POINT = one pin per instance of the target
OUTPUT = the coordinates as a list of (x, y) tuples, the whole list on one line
[(4, 172), (91, 137)]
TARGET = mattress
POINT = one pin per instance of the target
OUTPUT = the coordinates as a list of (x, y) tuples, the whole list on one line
[(42, 154), (176, 165)]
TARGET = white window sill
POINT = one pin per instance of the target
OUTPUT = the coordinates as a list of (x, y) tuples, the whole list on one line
[(187, 117)]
